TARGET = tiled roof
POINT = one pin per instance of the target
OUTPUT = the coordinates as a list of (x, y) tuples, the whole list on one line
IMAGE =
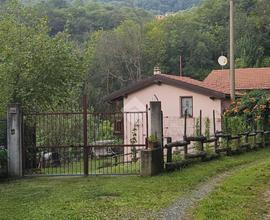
[(185, 79), (246, 79), (198, 83)]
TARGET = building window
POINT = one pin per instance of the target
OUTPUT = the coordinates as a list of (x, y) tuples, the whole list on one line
[(186, 104)]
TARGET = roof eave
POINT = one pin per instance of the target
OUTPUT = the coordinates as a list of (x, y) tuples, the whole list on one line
[(157, 79)]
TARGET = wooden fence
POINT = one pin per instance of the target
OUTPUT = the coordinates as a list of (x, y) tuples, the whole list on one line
[(200, 147)]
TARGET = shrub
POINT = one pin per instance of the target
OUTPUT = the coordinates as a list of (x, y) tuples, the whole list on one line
[(3, 157), (252, 110)]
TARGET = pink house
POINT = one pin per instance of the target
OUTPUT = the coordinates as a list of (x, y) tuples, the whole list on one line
[(178, 94)]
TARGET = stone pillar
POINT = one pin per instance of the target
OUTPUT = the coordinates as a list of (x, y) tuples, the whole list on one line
[(14, 140), (151, 162), (152, 159), (156, 121)]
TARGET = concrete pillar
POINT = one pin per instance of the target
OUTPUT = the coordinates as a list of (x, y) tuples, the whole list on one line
[(152, 159), (14, 140), (151, 162), (156, 121)]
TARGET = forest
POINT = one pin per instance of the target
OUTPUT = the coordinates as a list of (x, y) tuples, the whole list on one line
[(52, 52), (156, 6)]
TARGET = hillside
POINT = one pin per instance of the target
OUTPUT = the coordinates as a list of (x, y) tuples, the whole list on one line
[(156, 6)]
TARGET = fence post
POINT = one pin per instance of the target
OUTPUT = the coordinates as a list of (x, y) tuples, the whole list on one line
[(147, 128), (200, 122), (169, 150), (185, 126), (14, 140), (85, 141)]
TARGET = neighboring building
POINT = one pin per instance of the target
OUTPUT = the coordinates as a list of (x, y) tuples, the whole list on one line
[(178, 94), (246, 79), (162, 17)]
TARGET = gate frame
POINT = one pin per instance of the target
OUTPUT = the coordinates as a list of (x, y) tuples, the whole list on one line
[(86, 147)]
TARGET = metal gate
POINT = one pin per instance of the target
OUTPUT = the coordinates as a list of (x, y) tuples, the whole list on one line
[(85, 142)]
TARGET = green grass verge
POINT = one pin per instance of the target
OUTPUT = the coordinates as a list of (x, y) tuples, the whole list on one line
[(127, 197), (239, 196)]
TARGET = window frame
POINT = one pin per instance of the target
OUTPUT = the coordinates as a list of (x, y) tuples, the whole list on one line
[(181, 106)]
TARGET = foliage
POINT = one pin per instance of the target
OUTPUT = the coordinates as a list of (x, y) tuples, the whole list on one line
[(3, 157), (252, 108), (3, 131), (237, 125), (114, 58), (82, 18), (105, 130), (36, 70), (134, 133), (197, 133), (156, 6), (152, 138), (198, 35), (118, 45), (207, 134), (207, 127), (64, 130)]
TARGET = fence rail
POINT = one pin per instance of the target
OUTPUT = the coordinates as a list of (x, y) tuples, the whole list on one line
[(206, 147)]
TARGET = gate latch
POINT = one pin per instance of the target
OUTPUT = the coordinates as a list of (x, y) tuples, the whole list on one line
[(12, 131)]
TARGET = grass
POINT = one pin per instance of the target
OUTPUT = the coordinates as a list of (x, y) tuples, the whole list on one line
[(106, 165), (96, 166), (126, 197), (239, 196)]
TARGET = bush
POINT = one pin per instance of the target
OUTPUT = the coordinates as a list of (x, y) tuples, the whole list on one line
[(3, 162), (250, 111), (3, 157)]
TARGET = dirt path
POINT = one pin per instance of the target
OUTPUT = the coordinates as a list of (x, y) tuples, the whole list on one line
[(266, 198), (179, 210)]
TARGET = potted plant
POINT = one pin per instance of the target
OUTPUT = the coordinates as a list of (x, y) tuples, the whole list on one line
[(152, 142), (3, 162)]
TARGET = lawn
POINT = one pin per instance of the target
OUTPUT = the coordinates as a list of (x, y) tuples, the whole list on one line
[(96, 166), (122, 197), (240, 196)]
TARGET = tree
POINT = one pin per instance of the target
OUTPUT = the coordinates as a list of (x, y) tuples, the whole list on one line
[(115, 57), (82, 18), (157, 6), (36, 70)]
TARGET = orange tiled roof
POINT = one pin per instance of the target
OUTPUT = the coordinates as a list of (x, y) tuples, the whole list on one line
[(185, 79), (198, 83), (246, 79)]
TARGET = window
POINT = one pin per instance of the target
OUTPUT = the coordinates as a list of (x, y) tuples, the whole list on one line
[(186, 104)]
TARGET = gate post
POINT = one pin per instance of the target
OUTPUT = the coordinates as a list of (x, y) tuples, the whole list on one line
[(156, 121), (152, 161), (14, 140)]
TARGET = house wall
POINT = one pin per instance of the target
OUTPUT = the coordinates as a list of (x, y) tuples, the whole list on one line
[(170, 101)]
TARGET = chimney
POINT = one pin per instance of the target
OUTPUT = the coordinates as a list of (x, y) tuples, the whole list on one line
[(157, 70)]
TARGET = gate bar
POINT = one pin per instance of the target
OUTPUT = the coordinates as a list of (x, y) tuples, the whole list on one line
[(147, 128), (85, 149)]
